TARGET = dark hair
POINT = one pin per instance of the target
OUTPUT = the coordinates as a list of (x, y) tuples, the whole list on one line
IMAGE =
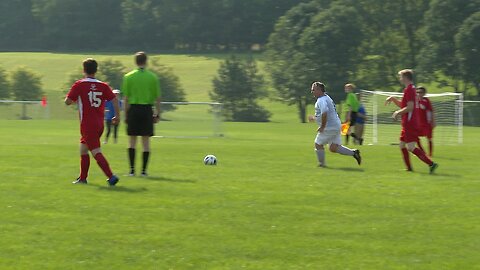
[(90, 66), (407, 73), (320, 85), (141, 58), (422, 88)]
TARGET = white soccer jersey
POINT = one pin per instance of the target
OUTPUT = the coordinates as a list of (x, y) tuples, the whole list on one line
[(323, 105)]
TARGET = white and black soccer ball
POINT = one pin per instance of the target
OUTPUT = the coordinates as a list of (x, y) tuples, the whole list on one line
[(210, 160)]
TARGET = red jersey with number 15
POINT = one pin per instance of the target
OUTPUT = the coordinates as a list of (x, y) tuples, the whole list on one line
[(90, 95), (410, 120)]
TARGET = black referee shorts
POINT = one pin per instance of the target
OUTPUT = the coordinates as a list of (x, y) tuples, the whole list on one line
[(140, 120)]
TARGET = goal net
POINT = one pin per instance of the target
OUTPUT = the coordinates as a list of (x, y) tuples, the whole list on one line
[(381, 129), (471, 111), (190, 120), (23, 110)]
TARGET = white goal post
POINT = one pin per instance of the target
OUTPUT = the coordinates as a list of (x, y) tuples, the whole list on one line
[(23, 110), (191, 120), (382, 129)]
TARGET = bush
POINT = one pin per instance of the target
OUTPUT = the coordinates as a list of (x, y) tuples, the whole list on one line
[(238, 86), (169, 83), (26, 84), (4, 85)]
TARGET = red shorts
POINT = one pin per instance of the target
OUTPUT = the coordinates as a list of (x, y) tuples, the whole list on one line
[(426, 131), (91, 138), (409, 135)]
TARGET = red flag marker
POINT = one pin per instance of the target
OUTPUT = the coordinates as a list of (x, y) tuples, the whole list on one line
[(44, 101)]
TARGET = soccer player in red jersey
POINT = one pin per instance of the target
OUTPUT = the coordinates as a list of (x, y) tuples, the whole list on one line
[(426, 119), (90, 95), (409, 114)]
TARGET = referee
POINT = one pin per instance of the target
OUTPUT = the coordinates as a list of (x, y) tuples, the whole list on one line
[(141, 89)]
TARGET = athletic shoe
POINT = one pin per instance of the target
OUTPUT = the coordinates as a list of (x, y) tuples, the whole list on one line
[(113, 180), (132, 173), (80, 181), (144, 174), (322, 165), (433, 167), (356, 155)]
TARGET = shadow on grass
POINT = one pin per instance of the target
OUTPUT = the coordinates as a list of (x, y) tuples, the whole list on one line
[(161, 179), (167, 179), (119, 188), (352, 169), (441, 174)]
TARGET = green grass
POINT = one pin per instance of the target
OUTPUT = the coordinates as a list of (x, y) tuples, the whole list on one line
[(265, 206)]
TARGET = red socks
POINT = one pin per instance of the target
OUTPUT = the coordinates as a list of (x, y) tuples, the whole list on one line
[(406, 158), (422, 156), (103, 163), (84, 166)]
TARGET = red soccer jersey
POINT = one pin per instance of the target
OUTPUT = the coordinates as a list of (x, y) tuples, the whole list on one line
[(425, 112), (409, 120), (90, 95)]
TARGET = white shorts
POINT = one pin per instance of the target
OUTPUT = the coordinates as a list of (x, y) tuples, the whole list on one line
[(328, 137)]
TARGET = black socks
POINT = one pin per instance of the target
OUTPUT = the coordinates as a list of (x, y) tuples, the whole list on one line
[(146, 155), (131, 156)]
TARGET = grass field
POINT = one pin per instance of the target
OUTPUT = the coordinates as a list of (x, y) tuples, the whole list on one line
[(265, 206)]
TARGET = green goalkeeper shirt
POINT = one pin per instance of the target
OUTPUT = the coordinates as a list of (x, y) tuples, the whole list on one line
[(141, 86), (352, 102)]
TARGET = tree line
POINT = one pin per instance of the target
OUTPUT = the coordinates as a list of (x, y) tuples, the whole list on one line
[(138, 24), (368, 41), (336, 41)]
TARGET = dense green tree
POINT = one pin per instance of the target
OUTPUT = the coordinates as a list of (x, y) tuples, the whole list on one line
[(391, 40), (4, 84), (330, 44), (18, 27), (468, 50), (286, 60), (310, 44), (25, 84), (442, 22), (111, 71), (169, 83), (72, 24), (239, 86)]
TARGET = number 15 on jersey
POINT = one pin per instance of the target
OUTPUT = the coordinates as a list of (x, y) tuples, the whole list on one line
[(95, 100)]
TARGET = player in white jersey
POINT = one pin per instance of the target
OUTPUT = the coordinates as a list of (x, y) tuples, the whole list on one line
[(329, 127)]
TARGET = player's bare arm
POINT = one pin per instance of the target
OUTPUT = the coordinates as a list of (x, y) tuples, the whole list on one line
[(324, 123), (348, 116), (69, 101), (393, 100), (432, 119), (397, 114), (116, 106), (156, 116)]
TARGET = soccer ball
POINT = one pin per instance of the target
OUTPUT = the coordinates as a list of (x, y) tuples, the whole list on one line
[(210, 160)]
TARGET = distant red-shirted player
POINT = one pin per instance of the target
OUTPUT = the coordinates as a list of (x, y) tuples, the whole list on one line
[(90, 95), (426, 119), (409, 111)]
